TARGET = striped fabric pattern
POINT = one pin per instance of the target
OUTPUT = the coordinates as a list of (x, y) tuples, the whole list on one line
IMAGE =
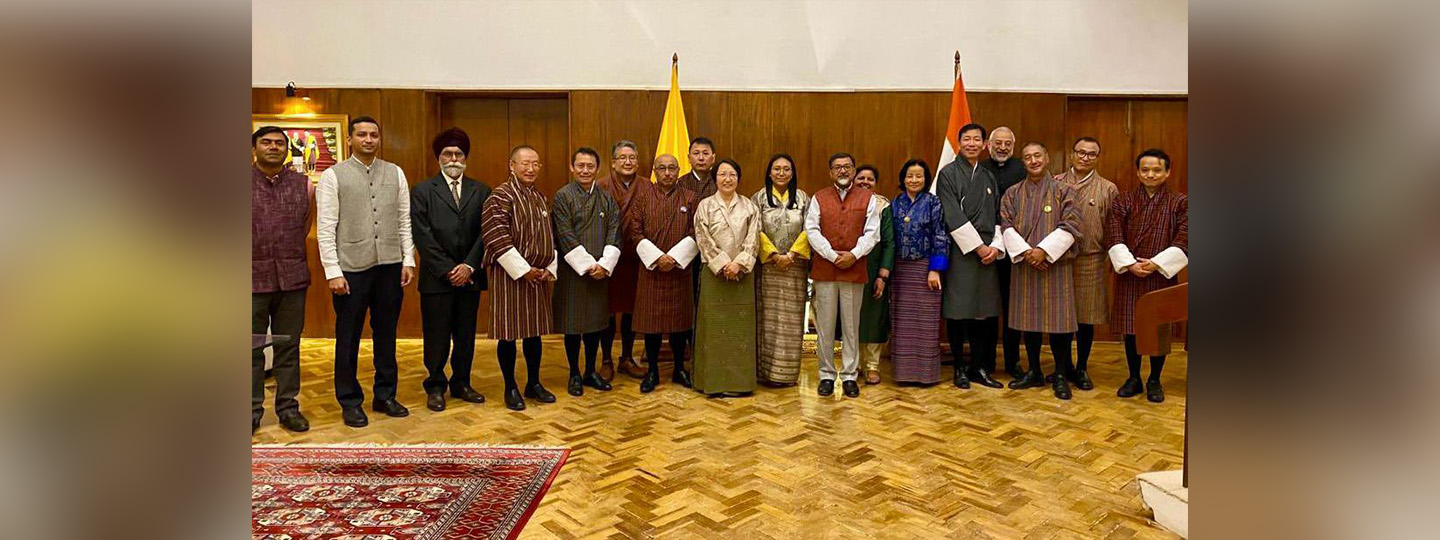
[(1146, 225), (627, 271), (1093, 194), (590, 220), (1041, 300), (780, 325), (664, 301), (915, 336), (516, 216)]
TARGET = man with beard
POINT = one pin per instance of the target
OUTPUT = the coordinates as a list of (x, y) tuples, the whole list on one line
[(622, 185), (971, 306), (1007, 172), (280, 201), (843, 226), (368, 257), (445, 217)]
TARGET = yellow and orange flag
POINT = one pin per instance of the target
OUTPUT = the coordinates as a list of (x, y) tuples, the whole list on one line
[(674, 136), (959, 116)]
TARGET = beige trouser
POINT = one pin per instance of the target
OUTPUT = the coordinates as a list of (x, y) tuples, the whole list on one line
[(835, 299), (870, 355)]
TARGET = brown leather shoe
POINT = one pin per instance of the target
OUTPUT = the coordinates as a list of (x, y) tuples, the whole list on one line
[(607, 370), (630, 367), (872, 377)]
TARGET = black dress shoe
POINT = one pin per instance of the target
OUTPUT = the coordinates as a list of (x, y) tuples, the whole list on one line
[(652, 378), (513, 401), (391, 408), (573, 387), (294, 421), (682, 378), (852, 389), (1031, 379), (982, 377), (1154, 392), (1061, 388), (354, 417), (539, 393), (435, 401), (1131, 388), (1082, 380), (961, 380), (468, 395), (594, 380), (826, 388)]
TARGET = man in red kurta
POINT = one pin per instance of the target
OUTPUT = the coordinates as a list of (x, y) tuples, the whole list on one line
[(661, 225), (623, 183), (1148, 234)]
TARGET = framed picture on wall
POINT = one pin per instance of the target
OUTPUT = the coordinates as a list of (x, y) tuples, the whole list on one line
[(317, 141)]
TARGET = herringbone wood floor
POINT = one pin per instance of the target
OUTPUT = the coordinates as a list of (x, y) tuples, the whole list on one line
[(898, 462)]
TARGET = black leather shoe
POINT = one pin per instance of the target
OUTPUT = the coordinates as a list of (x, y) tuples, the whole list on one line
[(682, 378), (594, 380), (982, 377), (1061, 388), (574, 387), (1050, 378), (391, 408), (826, 388), (513, 401), (468, 395), (1131, 388), (539, 393), (435, 401), (652, 378), (961, 380), (294, 421), (355, 417), (1031, 379), (1082, 380), (852, 389), (254, 424), (1013, 371), (1154, 392)]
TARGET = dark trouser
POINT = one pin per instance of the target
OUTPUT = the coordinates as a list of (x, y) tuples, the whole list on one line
[(378, 291), (1059, 348), (282, 314), (505, 352), (1009, 337), (627, 336), (981, 333), (1084, 337), (678, 342), (1132, 358), (572, 351), (447, 317)]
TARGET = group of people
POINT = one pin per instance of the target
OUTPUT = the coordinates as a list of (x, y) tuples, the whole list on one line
[(689, 258)]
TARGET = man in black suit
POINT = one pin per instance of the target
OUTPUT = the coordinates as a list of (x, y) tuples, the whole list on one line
[(445, 220)]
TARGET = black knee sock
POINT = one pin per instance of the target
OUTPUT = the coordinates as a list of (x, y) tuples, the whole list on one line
[(531, 348), (1157, 363), (505, 351), (1032, 349), (982, 334), (1060, 347), (652, 351), (572, 353), (607, 336), (955, 329), (592, 342), (1132, 358), (1084, 337), (627, 335), (677, 347)]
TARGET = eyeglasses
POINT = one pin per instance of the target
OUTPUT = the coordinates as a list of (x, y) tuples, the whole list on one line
[(528, 165), (452, 155), (625, 158), (841, 167), (1091, 155)]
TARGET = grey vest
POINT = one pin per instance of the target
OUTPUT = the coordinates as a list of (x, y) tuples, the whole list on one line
[(369, 229)]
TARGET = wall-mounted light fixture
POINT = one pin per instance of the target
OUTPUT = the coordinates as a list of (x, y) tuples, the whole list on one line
[(291, 91)]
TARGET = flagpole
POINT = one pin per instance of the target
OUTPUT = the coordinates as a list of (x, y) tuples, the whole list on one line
[(957, 63)]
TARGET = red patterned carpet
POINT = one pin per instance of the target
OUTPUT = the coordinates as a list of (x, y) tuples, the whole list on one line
[(397, 492)]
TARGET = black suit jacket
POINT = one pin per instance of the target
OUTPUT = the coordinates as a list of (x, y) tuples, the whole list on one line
[(446, 234)]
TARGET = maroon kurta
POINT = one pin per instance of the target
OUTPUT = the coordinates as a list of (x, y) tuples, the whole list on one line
[(517, 217), (1147, 225), (664, 301), (627, 271)]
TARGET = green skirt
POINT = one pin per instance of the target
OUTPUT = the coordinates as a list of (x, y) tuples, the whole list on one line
[(725, 334)]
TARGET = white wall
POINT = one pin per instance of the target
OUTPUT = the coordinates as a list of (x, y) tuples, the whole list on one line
[(1075, 46)]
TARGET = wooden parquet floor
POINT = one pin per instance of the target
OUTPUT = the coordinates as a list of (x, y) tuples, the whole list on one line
[(898, 462)]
